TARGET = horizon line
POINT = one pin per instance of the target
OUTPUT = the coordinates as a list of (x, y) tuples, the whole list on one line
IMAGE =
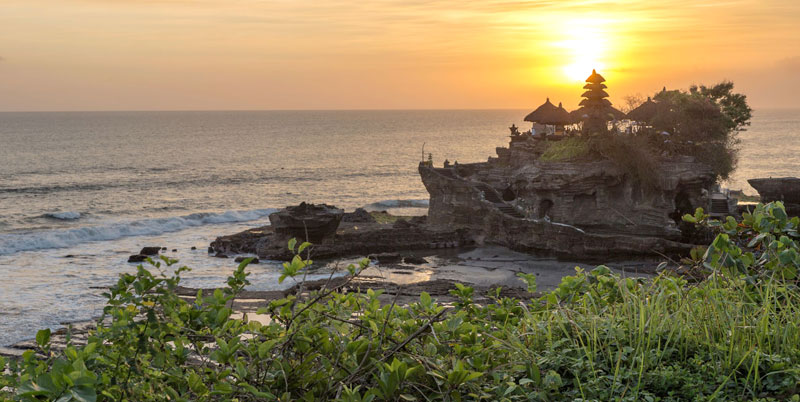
[(797, 107)]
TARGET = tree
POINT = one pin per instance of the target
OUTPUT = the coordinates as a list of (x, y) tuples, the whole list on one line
[(704, 122), (631, 102)]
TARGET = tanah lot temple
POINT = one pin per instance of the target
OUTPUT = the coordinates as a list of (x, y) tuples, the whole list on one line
[(527, 201)]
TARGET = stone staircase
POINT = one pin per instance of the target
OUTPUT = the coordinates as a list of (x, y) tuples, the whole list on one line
[(489, 194)]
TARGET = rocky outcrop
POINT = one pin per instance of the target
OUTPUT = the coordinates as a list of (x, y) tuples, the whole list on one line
[(456, 202), (315, 223), (360, 215), (581, 208), (351, 240), (785, 189), (150, 250)]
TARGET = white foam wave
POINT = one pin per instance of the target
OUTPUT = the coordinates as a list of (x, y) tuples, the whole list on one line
[(386, 204), (14, 242), (64, 216)]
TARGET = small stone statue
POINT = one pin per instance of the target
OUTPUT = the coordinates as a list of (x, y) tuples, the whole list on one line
[(514, 130)]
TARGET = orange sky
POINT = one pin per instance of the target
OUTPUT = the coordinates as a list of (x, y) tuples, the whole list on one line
[(385, 54)]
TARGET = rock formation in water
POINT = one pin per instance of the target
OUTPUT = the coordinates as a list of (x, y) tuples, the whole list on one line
[(315, 223), (784, 189), (347, 239), (580, 208)]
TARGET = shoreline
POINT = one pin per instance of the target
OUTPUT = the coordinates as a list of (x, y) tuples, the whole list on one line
[(484, 268)]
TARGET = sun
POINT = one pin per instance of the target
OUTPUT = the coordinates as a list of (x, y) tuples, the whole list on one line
[(585, 48), (580, 69)]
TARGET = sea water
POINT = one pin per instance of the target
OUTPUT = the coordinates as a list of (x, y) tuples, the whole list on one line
[(80, 192)]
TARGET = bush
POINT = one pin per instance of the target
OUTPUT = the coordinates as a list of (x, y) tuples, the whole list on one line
[(704, 123), (631, 154), (596, 337)]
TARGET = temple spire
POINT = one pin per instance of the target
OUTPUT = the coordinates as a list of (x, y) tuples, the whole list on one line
[(595, 104)]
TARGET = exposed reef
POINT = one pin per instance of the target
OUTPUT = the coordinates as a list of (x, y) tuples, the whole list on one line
[(347, 239), (315, 223)]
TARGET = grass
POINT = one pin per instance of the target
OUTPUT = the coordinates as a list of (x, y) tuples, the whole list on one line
[(567, 149), (385, 217)]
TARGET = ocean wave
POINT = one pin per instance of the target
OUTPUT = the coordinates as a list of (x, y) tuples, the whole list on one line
[(16, 242), (64, 216), (386, 204)]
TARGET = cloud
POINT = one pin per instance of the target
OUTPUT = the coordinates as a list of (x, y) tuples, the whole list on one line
[(789, 63)]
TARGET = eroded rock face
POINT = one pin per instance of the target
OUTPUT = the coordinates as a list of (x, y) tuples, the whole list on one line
[(360, 215), (785, 189), (315, 223), (579, 208), (352, 239)]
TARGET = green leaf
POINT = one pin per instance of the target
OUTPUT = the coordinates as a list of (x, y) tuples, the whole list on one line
[(245, 262), (84, 394), (779, 212), (303, 247), (530, 280), (425, 298), (43, 337), (292, 244)]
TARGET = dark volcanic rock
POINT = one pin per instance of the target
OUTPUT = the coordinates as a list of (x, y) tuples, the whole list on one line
[(412, 259), (401, 224), (316, 223), (137, 258), (418, 220), (194, 248), (360, 215), (240, 259), (785, 189), (387, 258), (220, 255), (581, 210), (352, 240), (150, 251)]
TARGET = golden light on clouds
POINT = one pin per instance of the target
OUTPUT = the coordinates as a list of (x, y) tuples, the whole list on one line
[(352, 54)]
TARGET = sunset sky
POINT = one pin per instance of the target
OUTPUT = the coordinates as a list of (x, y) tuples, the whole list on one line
[(376, 54)]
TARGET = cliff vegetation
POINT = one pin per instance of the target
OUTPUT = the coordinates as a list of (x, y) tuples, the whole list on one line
[(702, 122)]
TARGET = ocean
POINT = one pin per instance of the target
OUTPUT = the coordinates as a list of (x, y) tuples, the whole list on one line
[(80, 192)]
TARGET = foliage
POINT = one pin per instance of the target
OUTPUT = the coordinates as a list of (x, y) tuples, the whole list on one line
[(385, 217), (704, 123), (632, 154), (761, 247), (631, 102), (596, 337), (569, 148)]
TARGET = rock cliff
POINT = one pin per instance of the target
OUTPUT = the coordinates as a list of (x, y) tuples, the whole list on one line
[(784, 189), (582, 208)]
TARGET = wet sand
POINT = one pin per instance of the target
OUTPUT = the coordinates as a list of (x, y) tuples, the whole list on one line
[(483, 268)]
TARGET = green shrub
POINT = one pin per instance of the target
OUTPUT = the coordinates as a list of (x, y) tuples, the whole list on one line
[(596, 337), (632, 154)]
